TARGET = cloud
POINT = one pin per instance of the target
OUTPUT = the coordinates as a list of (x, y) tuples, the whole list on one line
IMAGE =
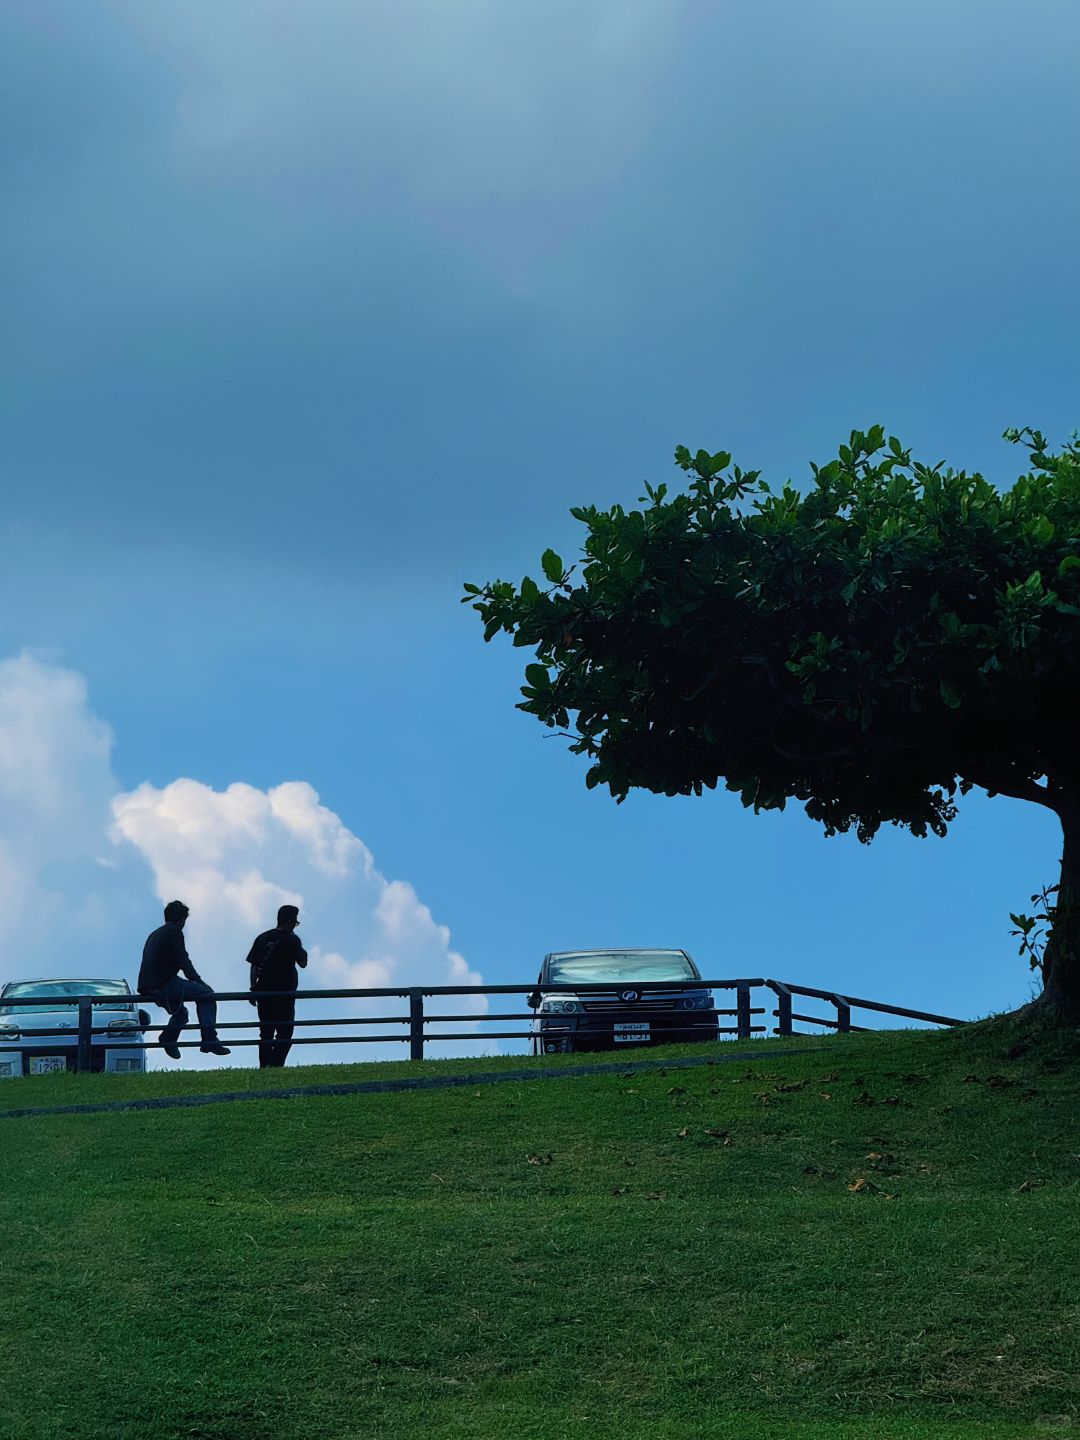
[(56, 786), (235, 855), (84, 868)]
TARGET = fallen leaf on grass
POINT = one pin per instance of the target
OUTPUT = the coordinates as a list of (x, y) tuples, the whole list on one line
[(720, 1135), (621, 1190), (539, 1159), (789, 1089), (684, 1132), (857, 1186), (676, 1090), (656, 1195), (1030, 1185), (825, 1095)]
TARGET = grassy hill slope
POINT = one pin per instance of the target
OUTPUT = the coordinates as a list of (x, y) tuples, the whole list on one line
[(870, 1237)]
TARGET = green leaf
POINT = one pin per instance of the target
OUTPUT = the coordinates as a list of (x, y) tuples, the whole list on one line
[(537, 676), (530, 591), (1041, 530), (1071, 562), (950, 694), (475, 589), (682, 457), (553, 566)]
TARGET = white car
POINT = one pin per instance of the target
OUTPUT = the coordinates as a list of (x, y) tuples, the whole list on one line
[(38, 1038)]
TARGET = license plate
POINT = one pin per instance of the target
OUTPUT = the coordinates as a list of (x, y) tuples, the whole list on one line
[(631, 1030), (43, 1064)]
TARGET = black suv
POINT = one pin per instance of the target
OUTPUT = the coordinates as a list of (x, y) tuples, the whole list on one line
[(610, 998)]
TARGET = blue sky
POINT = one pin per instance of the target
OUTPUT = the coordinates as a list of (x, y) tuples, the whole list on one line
[(312, 313)]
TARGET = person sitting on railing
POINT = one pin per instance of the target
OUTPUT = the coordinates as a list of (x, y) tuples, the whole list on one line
[(273, 958), (164, 958)]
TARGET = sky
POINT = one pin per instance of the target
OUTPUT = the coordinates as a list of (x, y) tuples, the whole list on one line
[(312, 313)]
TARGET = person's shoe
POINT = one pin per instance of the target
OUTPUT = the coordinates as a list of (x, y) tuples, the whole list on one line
[(215, 1048), (169, 1045)]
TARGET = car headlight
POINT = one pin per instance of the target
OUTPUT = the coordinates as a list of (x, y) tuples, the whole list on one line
[(9, 1033), (696, 1002), (122, 1029), (560, 1007)]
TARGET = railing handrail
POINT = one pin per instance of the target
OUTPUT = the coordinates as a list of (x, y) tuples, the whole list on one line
[(554, 988), (834, 996), (416, 1024)]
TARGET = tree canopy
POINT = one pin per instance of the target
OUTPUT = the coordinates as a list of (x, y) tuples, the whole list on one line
[(871, 646)]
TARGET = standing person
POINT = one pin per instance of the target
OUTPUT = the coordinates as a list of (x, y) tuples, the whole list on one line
[(164, 957), (273, 959)]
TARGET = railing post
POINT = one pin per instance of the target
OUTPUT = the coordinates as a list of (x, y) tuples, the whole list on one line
[(742, 1019), (86, 1025), (416, 1024), (843, 1014), (783, 1007)]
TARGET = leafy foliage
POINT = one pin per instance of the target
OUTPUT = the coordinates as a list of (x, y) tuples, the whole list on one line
[(1034, 930), (871, 646)]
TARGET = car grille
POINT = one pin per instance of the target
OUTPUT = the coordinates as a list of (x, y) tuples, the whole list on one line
[(649, 1001)]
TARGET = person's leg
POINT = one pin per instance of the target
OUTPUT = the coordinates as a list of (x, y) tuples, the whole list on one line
[(266, 1033), (178, 1018), (205, 1007), (283, 1038)]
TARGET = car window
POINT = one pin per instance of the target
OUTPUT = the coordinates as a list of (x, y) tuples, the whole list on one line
[(52, 993), (596, 967)]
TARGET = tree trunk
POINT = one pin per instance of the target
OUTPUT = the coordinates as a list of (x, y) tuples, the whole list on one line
[(1059, 1003)]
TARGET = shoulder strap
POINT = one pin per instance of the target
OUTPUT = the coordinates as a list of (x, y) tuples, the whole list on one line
[(258, 966)]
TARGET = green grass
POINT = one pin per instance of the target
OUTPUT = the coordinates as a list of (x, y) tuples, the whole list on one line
[(395, 1265)]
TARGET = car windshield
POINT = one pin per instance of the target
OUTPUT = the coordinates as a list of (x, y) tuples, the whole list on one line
[(52, 991), (597, 966)]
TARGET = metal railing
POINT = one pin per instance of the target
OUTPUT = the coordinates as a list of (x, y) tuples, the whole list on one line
[(413, 1025)]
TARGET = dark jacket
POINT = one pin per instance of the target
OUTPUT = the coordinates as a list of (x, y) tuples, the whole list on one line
[(164, 956), (273, 959)]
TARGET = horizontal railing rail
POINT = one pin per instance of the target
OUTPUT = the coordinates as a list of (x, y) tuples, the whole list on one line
[(413, 1026), (844, 1004)]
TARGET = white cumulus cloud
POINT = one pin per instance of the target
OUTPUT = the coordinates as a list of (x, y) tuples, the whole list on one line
[(85, 868)]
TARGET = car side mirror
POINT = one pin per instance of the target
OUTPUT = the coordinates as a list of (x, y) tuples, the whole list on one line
[(533, 999), (144, 1020)]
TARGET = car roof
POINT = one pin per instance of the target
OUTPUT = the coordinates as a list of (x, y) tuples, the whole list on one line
[(619, 950), (68, 980)]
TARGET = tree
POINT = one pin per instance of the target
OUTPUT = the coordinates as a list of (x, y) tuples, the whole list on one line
[(872, 647)]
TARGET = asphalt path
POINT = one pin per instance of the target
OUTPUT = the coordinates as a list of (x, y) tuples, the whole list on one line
[(383, 1087)]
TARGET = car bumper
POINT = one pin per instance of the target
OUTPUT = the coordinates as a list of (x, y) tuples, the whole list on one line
[(583, 1033), (17, 1061)]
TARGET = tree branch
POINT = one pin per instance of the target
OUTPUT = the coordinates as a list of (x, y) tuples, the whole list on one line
[(1017, 787)]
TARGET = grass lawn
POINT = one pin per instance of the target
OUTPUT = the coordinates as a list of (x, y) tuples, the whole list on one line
[(870, 1237)]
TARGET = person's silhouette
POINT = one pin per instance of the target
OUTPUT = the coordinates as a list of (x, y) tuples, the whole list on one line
[(273, 958), (168, 978)]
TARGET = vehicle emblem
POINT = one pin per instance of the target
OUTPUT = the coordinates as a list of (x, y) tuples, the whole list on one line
[(629, 995)]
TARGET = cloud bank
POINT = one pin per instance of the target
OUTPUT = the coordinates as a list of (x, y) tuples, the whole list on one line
[(85, 866)]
